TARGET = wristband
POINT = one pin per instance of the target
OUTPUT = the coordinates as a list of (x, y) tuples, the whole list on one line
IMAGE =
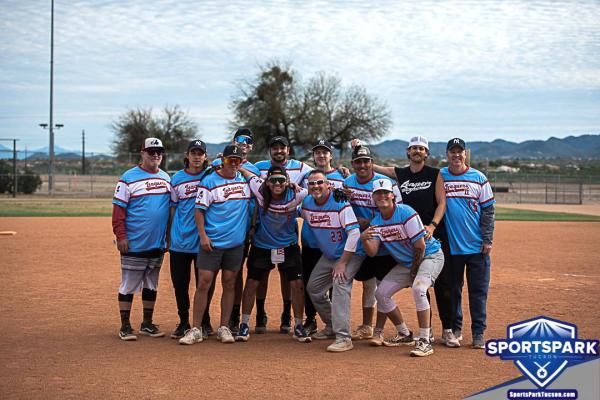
[(434, 223)]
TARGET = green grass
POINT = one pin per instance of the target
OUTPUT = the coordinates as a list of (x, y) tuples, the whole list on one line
[(512, 214)]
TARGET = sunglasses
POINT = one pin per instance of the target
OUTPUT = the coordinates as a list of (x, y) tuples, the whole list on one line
[(277, 179), (243, 139), (317, 182), (232, 160), (154, 152)]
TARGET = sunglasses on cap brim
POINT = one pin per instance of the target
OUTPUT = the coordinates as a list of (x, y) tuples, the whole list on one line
[(243, 139)]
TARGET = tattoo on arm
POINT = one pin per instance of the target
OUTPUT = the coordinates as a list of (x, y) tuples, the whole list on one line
[(417, 259)]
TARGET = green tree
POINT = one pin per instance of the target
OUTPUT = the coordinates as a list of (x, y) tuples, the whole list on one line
[(173, 126), (27, 180)]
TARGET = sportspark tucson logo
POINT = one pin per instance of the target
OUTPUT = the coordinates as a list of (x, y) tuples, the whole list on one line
[(542, 348)]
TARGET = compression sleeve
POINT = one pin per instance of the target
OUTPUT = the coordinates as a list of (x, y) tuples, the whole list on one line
[(487, 224), (352, 240), (118, 222)]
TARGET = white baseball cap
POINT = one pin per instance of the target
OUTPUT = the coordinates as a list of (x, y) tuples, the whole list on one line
[(382, 184), (152, 143), (418, 141)]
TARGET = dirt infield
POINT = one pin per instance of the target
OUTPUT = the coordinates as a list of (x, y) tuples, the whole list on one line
[(59, 321), (587, 209)]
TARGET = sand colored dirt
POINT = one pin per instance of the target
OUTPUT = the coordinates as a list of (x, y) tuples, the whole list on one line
[(586, 209), (59, 321)]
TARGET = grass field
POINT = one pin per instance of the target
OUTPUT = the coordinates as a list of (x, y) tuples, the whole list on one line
[(57, 207)]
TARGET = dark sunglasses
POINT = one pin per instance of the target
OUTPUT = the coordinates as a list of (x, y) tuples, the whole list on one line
[(317, 182), (154, 152), (243, 139), (277, 179), (232, 160)]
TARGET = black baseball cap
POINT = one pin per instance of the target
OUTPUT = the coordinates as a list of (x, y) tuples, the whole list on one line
[(323, 143), (243, 132), (279, 139), (231, 150), (456, 142), (197, 144), (276, 170), (361, 152)]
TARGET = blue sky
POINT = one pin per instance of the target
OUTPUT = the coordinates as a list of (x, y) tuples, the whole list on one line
[(482, 70)]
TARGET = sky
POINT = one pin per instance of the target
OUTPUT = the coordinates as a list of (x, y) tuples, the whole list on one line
[(481, 70)]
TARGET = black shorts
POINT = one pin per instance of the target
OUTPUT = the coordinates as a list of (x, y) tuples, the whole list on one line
[(375, 267), (259, 263)]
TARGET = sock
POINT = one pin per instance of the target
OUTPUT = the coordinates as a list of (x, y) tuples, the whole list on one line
[(235, 311), (260, 307), (148, 315), (125, 317), (297, 321), (287, 307), (245, 319), (424, 333), (403, 329)]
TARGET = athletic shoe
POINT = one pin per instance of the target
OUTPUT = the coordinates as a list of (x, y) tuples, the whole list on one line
[(261, 324), (325, 333), (179, 331), (286, 323), (340, 345), (192, 336), (207, 330), (363, 332), (243, 333), (310, 326), (148, 328), (478, 341), (400, 340), (377, 339), (224, 335), (234, 323), (449, 339), (458, 334), (301, 335), (422, 349), (126, 333)]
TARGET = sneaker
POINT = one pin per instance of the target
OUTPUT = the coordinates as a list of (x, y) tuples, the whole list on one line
[(148, 328), (458, 334), (478, 341), (301, 335), (243, 333), (310, 326), (207, 330), (422, 349), (400, 340), (340, 345), (325, 333), (192, 336), (234, 323), (286, 323), (261, 324), (126, 333), (179, 331), (377, 339), (224, 335), (449, 339), (363, 332)]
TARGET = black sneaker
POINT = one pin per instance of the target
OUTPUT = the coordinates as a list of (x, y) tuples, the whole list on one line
[(286, 323), (126, 333), (148, 328), (310, 326), (207, 330), (180, 330), (301, 335), (234, 324), (261, 324)]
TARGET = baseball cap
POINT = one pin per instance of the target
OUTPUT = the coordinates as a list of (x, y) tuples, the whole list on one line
[(243, 132), (456, 142), (323, 143), (278, 139), (152, 143), (382, 184), (276, 170), (418, 141), (231, 150), (197, 144), (361, 152)]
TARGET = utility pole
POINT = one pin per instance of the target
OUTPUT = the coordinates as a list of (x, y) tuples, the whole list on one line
[(51, 123), (83, 152), (15, 182)]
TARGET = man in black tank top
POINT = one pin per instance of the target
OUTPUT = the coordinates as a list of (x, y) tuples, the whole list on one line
[(422, 188)]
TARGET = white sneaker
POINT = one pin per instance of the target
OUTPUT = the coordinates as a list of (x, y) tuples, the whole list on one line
[(325, 333), (340, 345), (449, 339), (363, 332), (224, 335), (377, 339), (422, 348), (192, 336)]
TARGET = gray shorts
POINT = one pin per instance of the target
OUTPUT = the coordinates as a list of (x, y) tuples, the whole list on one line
[(227, 259), (430, 267), (139, 273)]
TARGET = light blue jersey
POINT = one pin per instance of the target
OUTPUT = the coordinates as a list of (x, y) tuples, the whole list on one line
[(294, 168), (337, 181), (330, 223), (466, 195), (184, 234), (225, 203), (398, 234), (276, 226), (145, 196)]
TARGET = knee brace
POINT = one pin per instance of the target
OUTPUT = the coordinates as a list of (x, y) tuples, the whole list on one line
[(385, 304), (148, 294), (419, 291), (128, 298)]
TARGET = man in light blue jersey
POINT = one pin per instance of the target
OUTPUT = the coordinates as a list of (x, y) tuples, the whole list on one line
[(470, 226), (399, 229), (336, 232), (359, 186), (279, 151), (221, 218), (139, 219)]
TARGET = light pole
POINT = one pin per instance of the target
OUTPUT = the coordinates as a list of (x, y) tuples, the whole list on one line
[(51, 128)]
